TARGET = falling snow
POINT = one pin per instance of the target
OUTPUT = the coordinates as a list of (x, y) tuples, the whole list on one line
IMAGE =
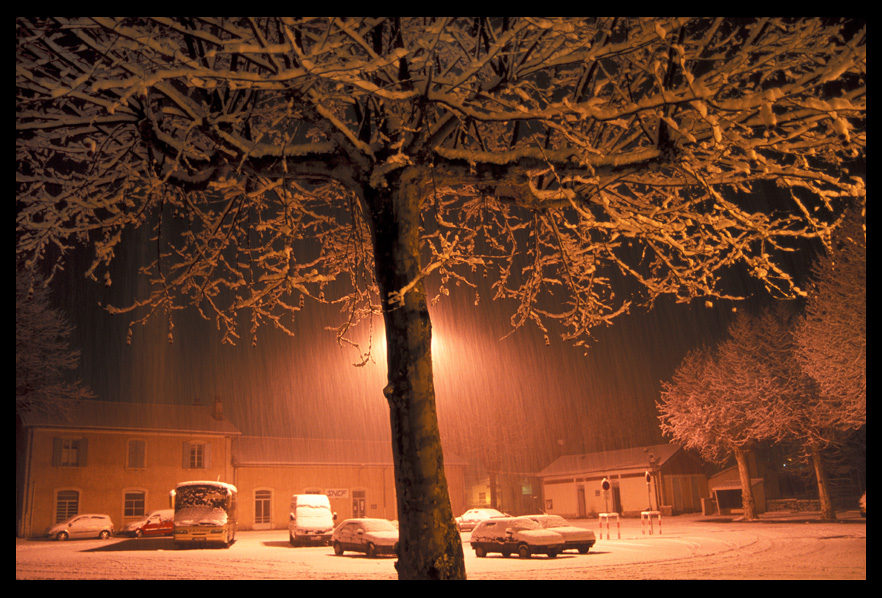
[(281, 176)]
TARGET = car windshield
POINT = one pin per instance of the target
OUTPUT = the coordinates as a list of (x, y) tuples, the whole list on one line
[(378, 525)]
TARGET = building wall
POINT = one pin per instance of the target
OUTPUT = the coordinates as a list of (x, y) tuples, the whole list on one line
[(104, 480), (353, 490), (105, 476), (350, 488), (628, 494), (683, 493)]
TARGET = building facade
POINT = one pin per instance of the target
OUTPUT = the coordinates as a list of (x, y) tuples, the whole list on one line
[(123, 459), (572, 485), (357, 476)]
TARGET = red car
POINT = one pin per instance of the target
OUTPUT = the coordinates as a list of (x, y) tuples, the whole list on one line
[(157, 523)]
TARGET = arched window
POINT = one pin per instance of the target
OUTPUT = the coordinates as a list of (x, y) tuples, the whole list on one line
[(67, 504)]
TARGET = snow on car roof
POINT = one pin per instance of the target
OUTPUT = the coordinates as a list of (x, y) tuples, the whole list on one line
[(223, 485)]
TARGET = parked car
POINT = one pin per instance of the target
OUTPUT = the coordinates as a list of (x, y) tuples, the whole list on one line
[(509, 535), (82, 526), (577, 538), (157, 523), (473, 517), (310, 519), (370, 536)]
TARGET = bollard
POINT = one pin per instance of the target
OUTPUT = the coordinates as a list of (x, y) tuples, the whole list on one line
[(646, 516), (606, 517)]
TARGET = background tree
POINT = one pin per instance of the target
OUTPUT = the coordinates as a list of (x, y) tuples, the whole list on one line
[(832, 337), (753, 390), (804, 416), (721, 401), (45, 363), (560, 157)]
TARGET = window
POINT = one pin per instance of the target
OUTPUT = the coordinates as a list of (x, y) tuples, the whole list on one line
[(133, 503), (135, 454), (67, 504), (197, 455), (69, 452), (262, 507)]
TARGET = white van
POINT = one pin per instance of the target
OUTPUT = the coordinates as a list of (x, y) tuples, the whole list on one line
[(310, 520)]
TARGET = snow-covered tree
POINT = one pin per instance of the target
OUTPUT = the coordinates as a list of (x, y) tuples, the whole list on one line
[(344, 160), (45, 363), (804, 416), (722, 401), (832, 337), (751, 390)]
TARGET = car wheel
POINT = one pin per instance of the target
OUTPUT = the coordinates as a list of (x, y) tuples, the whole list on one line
[(61, 537), (338, 548), (480, 552), (506, 554), (371, 550), (552, 554), (524, 551), (584, 550), (104, 534)]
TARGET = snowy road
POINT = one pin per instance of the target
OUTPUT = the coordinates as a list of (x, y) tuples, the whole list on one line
[(688, 548)]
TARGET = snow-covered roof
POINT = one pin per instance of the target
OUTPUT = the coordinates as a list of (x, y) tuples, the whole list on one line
[(633, 459), (109, 415), (256, 450)]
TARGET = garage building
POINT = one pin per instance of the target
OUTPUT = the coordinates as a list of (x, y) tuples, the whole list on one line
[(572, 484)]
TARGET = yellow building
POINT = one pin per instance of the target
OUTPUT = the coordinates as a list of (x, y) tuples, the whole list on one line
[(123, 459)]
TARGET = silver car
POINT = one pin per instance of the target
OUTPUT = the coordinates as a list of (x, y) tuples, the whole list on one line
[(510, 535), (370, 536), (473, 517), (577, 538), (82, 526)]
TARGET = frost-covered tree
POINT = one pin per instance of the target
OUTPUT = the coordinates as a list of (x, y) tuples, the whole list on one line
[(804, 416), (832, 337), (283, 160), (751, 390), (722, 400)]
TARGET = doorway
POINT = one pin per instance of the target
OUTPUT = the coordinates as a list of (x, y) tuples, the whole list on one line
[(359, 503)]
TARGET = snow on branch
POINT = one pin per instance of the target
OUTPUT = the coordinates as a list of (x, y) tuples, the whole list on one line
[(570, 158)]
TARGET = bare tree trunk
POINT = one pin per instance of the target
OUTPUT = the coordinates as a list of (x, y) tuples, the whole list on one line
[(747, 501), (429, 543), (827, 510)]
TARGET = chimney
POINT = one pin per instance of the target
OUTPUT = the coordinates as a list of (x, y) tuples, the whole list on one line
[(218, 409)]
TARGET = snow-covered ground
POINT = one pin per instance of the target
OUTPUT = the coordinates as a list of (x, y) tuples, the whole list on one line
[(688, 547)]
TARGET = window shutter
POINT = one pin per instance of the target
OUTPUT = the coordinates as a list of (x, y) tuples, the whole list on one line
[(185, 461), (56, 451), (82, 453)]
